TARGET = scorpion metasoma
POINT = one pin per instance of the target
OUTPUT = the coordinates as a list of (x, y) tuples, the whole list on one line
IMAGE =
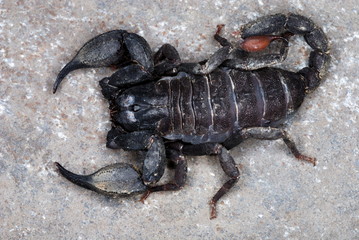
[(171, 109)]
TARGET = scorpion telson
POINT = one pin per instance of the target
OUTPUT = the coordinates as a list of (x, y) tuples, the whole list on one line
[(171, 109)]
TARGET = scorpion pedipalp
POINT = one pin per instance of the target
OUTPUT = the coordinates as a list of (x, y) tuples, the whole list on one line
[(113, 48), (120, 179)]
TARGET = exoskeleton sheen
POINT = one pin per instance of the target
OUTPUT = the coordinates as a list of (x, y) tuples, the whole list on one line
[(171, 109)]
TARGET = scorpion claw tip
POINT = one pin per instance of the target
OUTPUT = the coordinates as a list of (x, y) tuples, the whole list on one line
[(54, 90), (71, 66)]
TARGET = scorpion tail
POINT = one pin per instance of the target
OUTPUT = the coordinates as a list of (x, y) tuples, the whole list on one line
[(118, 179), (319, 59), (318, 66), (258, 34)]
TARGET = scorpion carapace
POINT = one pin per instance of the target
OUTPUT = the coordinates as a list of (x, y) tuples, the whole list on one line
[(171, 109)]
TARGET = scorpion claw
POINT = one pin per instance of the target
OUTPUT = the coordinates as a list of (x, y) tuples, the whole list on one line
[(112, 48), (120, 179), (102, 51)]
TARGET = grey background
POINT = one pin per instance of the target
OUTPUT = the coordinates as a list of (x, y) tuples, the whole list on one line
[(277, 196)]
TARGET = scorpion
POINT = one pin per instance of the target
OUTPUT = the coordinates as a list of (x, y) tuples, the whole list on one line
[(170, 109)]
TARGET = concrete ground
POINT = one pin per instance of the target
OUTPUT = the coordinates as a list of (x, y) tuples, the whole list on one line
[(277, 196)]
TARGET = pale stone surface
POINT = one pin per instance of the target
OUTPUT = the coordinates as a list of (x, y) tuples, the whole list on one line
[(277, 197)]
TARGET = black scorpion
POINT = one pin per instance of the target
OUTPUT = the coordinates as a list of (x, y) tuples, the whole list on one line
[(171, 109)]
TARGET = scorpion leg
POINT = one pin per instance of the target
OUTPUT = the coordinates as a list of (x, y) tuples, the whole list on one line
[(268, 133), (214, 61), (229, 167), (227, 163), (207, 66), (114, 48), (221, 40)]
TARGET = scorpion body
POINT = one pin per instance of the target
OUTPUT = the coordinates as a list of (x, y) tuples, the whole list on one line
[(211, 108), (171, 109)]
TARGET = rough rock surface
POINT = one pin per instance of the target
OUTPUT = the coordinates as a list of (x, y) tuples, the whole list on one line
[(277, 196)]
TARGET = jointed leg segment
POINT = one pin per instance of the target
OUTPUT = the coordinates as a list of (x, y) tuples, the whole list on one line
[(268, 133), (229, 167)]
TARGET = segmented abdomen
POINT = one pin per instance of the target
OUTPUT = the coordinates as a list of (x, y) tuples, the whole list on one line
[(211, 108)]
